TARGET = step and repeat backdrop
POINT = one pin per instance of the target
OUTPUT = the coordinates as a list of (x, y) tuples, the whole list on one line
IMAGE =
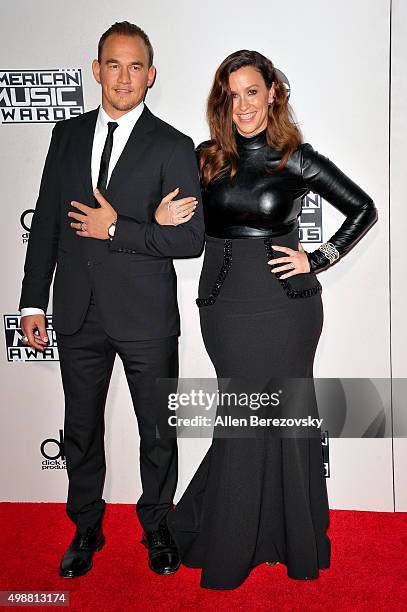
[(335, 58)]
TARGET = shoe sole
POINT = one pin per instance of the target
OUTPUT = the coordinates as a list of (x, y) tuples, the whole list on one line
[(62, 575)]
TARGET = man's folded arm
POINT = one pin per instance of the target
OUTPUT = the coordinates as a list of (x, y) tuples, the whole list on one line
[(42, 245), (185, 240)]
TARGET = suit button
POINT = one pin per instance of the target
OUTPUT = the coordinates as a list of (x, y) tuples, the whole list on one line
[(120, 250), (89, 263)]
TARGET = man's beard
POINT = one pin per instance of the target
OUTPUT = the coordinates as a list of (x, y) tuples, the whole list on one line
[(124, 105)]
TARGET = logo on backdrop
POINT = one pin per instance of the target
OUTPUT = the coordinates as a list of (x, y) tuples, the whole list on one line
[(325, 453), (311, 218), (310, 226), (25, 220), (286, 82), (40, 96), (53, 453), (16, 351)]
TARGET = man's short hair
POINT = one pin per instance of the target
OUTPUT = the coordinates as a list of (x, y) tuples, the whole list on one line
[(127, 29)]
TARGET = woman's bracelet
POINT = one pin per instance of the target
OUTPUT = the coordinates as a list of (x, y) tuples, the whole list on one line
[(330, 251), (322, 257)]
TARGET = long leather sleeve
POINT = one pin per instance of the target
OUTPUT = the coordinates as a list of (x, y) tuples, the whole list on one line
[(321, 176), (150, 238), (42, 247)]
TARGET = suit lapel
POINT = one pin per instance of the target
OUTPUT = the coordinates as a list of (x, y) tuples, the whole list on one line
[(83, 158), (135, 148)]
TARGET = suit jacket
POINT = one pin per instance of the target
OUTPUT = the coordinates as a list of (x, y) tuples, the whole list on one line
[(132, 276)]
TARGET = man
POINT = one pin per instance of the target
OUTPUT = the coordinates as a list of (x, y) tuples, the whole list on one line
[(115, 284)]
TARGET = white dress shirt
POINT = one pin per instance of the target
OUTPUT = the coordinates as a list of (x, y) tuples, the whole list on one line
[(121, 135)]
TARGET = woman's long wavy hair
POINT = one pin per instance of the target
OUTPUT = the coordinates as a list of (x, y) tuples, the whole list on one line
[(221, 156)]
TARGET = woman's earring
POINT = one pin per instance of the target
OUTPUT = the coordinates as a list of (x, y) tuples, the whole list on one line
[(271, 101)]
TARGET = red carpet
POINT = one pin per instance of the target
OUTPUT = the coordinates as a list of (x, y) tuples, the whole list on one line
[(368, 571)]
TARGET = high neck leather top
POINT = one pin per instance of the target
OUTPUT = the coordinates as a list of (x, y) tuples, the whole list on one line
[(257, 202), (251, 143)]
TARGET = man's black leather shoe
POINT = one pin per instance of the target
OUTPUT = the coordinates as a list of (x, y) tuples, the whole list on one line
[(163, 557), (77, 560)]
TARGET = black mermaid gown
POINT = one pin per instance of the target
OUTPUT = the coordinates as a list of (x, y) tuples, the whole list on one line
[(262, 498)]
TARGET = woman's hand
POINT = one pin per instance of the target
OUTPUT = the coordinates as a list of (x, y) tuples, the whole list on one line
[(295, 261), (175, 212)]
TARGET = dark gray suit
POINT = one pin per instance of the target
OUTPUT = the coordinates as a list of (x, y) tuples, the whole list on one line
[(114, 297)]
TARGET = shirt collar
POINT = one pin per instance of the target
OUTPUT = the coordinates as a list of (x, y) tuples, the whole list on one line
[(128, 120)]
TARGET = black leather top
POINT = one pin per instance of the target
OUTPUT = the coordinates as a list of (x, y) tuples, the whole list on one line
[(257, 202)]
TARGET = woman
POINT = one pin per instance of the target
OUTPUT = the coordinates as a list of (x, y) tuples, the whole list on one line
[(264, 499)]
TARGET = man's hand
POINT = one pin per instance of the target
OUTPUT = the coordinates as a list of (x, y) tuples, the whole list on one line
[(175, 212), (93, 222), (33, 326)]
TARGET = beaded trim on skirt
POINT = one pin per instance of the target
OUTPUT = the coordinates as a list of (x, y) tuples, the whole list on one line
[(270, 253)]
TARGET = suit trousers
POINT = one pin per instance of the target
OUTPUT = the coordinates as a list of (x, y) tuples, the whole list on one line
[(86, 361)]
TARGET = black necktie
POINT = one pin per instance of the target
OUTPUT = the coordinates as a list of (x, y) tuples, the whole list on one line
[(104, 162)]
